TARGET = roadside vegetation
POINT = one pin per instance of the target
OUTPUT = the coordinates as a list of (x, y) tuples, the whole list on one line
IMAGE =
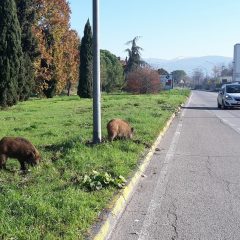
[(59, 198), (63, 196)]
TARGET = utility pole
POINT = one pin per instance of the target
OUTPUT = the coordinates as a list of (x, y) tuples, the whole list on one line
[(96, 76)]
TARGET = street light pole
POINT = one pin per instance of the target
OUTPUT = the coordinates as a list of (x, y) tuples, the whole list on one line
[(96, 76)]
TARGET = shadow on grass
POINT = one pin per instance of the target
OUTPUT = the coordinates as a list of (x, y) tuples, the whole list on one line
[(61, 149), (146, 145), (105, 140)]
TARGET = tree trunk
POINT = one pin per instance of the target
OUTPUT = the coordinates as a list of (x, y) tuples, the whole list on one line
[(69, 88)]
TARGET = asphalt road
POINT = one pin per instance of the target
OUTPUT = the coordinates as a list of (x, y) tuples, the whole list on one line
[(191, 189)]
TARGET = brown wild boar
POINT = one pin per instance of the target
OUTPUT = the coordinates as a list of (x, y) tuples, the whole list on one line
[(19, 148), (118, 128)]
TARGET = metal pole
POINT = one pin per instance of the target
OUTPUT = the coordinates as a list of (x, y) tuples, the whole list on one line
[(96, 76)]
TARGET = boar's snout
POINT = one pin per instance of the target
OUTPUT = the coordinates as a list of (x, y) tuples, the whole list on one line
[(33, 158)]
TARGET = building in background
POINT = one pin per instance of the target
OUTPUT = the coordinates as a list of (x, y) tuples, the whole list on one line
[(236, 62), (225, 79)]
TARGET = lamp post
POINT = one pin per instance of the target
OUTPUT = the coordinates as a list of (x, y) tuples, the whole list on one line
[(96, 76)]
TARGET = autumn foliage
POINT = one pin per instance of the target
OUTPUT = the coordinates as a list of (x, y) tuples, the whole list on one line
[(143, 80), (46, 53), (58, 65)]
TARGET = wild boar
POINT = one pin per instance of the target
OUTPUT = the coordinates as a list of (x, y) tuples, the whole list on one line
[(118, 128), (19, 148)]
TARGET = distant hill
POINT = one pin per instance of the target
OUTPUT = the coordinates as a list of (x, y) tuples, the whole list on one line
[(206, 63)]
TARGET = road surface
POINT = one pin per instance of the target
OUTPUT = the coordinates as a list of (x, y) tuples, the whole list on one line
[(191, 189)]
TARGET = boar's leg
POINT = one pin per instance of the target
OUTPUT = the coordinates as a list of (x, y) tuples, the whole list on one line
[(111, 137), (3, 159), (23, 165)]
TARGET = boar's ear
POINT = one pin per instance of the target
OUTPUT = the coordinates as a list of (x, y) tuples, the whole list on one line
[(132, 129)]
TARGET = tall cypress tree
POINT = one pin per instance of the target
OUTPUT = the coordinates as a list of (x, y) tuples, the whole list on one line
[(26, 17), (10, 53), (86, 62)]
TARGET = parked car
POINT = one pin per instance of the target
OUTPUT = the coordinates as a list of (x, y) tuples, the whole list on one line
[(229, 96)]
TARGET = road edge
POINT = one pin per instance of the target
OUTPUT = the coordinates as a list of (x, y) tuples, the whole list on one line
[(121, 199)]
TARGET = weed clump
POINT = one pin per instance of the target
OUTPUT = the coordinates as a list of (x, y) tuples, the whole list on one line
[(97, 181)]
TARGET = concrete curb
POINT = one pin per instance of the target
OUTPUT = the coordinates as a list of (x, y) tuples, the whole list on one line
[(120, 201)]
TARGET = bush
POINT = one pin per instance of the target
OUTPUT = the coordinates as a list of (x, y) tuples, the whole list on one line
[(143, 80), (112, 77)]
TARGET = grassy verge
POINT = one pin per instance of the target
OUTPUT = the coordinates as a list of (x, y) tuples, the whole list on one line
[(50, 202)]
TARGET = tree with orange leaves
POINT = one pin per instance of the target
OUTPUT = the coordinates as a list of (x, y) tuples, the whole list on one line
[(58, 45), (72, 59), (143, 80)]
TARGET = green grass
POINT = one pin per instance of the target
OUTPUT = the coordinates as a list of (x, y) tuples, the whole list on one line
[(47, 203)]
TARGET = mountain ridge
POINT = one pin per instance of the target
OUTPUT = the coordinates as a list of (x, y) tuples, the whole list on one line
[(188, 64)]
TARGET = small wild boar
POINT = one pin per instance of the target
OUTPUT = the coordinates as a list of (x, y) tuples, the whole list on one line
[(19, 148), (118, 128)]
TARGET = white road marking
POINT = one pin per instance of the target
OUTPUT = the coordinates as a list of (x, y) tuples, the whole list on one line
[(227, 121), (162, 182)]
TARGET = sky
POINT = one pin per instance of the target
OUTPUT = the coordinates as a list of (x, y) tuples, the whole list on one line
[(168, 28)]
